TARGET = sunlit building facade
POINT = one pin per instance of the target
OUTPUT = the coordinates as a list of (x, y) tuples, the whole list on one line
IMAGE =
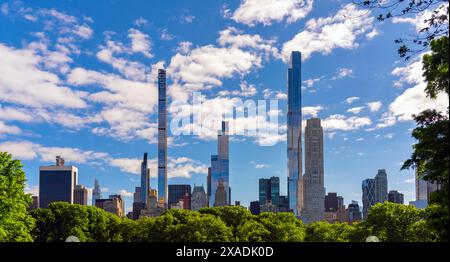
[(220, 170), (162, 139)]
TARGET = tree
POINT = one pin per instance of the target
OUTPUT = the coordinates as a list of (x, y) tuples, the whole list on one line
[(322, 231), (282, 227), (435, 66), (61, 220), (437, 221), (234, 217), (433, 14), (15, 223), (392, 222)]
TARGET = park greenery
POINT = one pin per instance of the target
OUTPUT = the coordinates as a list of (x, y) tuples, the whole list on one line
[(388, 221)]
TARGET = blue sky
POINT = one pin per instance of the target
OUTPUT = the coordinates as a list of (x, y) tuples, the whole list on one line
[(78, 79)]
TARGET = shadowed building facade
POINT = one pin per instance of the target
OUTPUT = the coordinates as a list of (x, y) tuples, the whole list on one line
[(220, 170), (313, 180)]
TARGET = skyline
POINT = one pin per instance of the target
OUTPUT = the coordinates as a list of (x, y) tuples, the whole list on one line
[(85, 139)]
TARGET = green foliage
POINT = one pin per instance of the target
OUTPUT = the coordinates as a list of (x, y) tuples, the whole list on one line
[(392, 222), (87, 223), (323, 231), (282, 227), (435, 67), (234, 217), (437, 219), (15, 223)]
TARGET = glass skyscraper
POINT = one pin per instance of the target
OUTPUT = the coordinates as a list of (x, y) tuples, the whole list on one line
[(57, 183), (145, 182), (294, 134), (177, 193), (368, 195), (220, 170), (96, 192), (162, 139), (381, 186)]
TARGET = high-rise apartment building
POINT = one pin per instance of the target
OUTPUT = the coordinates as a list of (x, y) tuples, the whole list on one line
[(354, 213), (220, 170), (198, 199), (57, 183), (381, 186), (395, 197), (145, 181), (80, 195), (269, 191), (368, 195), (114, 204), (294, 134), (162, 139), (313, 179), (177, 193), (96, 192)]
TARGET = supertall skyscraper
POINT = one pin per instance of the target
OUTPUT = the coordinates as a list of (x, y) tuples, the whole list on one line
[(145, 182), (294, 134), (96, 192), (162, 139), (313, 182), (220, 170)]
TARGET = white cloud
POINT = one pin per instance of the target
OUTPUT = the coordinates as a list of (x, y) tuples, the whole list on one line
[(310, 82), (374, 106), (343, 72), (124, 193), (344, 123), (165, 35), (325, 34), (352, 99), (251, 12), (24, 83), (413, 100), (83, 31), (140, 42), (311, 110), (372, 34), (7, 129), (355, 110), (14, 114), (141, 22), (420, 21)]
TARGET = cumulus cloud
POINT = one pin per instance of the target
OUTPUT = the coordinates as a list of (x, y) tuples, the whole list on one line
[(344, 123), (342, 73), (355, 110), (252, 12), (8, 129), (325, 34), (413, 100), (374, 106), (420, 21), (23, 82), (351, 99), (140, 42), (311, 110)]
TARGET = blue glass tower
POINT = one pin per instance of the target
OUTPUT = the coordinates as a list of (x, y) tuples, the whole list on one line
[(145, 181), (220, 171), (294, 134), (162, 139)]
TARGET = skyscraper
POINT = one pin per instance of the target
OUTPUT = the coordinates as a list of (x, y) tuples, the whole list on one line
[(269, 190), (294, 134), (368, 195), (96, 192), (80, 195), (199, 199), (264, 191), (208, 185), (395, 197), (57, 183), (254, 207), (313, 182), (275, 191), (354, 214), (162, 139), (114, 204), (220, 169), (145, 181), (381, 186), (177, 193)]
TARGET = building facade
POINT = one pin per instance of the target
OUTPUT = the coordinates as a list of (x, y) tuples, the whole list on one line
[(381, 186), (368, 195), (145, 181), (80, 195), (220, 170), (199, 198), (177, 193), (294, 134), (254, 207), (57, 183), (313, 179), (114, 204), (162, 139), (96, 192), (395, 197), (354, 212)]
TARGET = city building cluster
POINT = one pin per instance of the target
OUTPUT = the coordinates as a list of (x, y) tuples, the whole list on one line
[(306, 194)]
